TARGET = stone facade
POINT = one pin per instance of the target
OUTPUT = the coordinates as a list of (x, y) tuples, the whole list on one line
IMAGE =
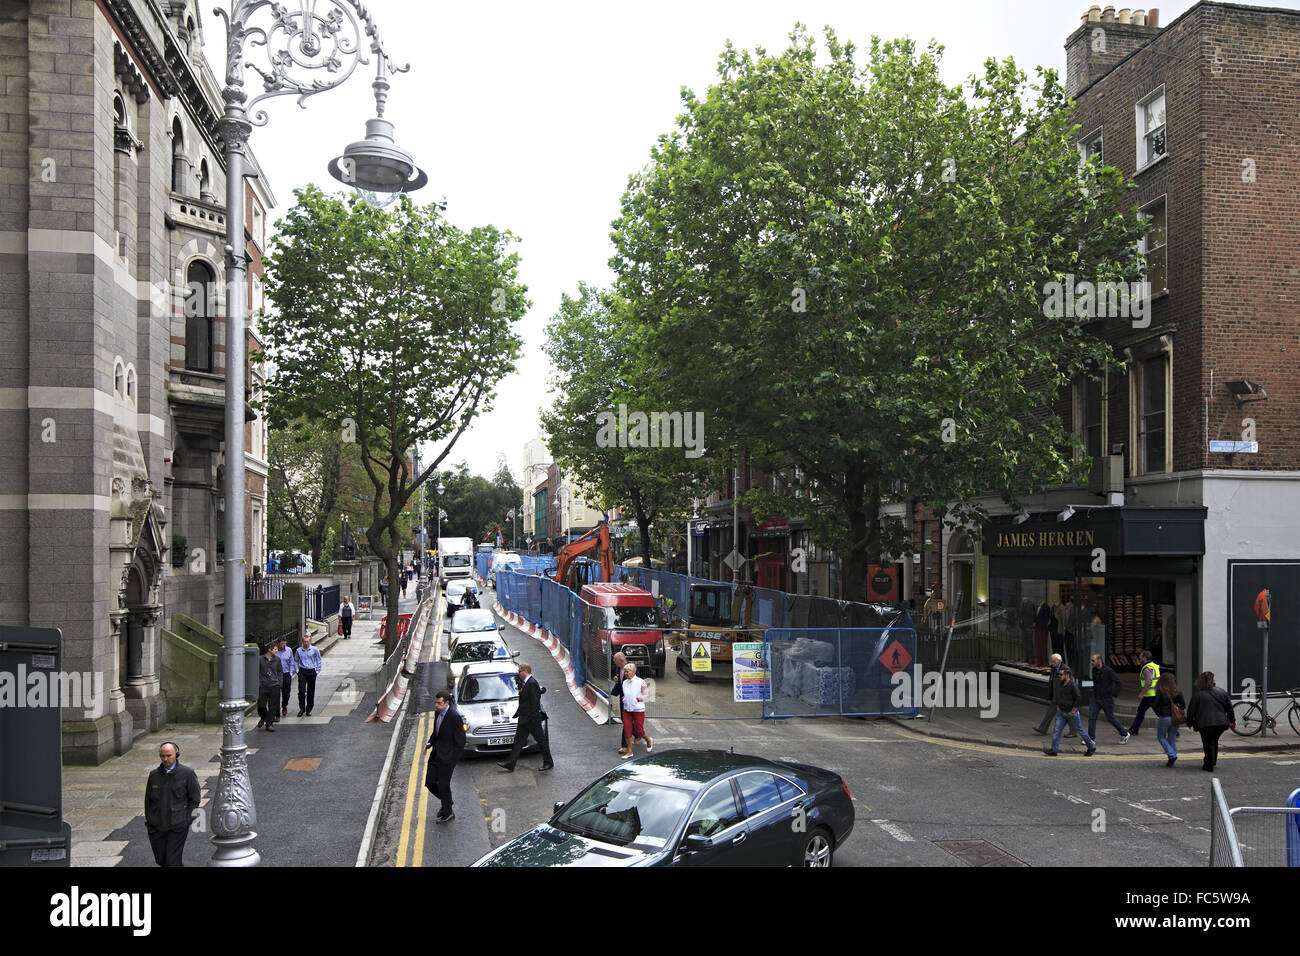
[(112, 385)]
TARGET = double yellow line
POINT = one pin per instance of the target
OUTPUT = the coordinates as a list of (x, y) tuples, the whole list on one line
[(415, 781)]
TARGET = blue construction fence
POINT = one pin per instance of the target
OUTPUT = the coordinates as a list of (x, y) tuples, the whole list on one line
[(528, 564), (766, 607), (814, 671), (841, 672), (541, 601)]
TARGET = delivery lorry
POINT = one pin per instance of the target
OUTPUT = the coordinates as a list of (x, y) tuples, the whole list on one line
[(455, 559)]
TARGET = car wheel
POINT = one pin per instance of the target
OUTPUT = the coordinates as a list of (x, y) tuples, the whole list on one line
[(818, 849)]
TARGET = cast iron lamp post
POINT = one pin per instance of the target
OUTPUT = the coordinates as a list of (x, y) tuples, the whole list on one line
[(296, 40)]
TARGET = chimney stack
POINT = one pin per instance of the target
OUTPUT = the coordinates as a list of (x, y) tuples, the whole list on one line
[(1103, 38)]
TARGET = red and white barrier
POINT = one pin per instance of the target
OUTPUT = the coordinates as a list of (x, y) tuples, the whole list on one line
[(587, 698)]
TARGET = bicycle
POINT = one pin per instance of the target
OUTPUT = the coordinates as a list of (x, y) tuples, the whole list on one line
[(1251, 717)]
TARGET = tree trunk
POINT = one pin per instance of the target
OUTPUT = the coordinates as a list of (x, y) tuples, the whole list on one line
[(855, 562), (642, 525)]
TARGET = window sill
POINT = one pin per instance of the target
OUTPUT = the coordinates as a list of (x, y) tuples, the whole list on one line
[(1153, 163)]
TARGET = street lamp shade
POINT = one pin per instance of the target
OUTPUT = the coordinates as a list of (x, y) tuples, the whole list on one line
[(377, 164), (442, 489)]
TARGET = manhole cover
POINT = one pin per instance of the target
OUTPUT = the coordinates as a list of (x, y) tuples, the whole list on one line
[(304, 763), (979, 853)]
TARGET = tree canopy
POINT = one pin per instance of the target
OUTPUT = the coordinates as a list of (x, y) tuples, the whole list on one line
[(392, 326), (846, 263)]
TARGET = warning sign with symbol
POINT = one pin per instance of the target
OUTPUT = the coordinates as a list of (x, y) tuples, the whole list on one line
[(701, 659), (895, 658)]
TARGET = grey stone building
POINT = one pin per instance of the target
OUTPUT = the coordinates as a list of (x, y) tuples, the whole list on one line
[(111, 306)]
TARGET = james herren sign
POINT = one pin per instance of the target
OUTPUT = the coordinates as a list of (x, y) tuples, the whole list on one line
[(1030, 540)]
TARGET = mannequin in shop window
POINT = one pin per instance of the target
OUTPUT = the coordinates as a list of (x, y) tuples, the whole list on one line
[(1043, 623), (1064, 614), (1054, 630), (1027, 628)]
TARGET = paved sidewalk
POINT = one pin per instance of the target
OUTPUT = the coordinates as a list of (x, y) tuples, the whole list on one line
[(1013, 728), (312, 778)]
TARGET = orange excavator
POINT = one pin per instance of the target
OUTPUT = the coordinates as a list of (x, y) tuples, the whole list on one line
[(569, 573)]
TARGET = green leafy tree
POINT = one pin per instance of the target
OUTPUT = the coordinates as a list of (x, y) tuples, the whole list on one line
[(592, 345), (848, 263), (475, 505), (392, 327), (305, 464)]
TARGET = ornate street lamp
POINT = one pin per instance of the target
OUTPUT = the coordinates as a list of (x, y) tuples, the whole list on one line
[(298, 40)]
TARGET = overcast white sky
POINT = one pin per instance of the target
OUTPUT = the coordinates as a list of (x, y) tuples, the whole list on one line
[(531, 116)]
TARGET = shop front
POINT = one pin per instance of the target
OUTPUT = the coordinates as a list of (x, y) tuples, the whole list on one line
[(1112, 581)]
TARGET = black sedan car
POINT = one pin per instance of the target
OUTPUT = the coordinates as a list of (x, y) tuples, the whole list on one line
[(693, 808)]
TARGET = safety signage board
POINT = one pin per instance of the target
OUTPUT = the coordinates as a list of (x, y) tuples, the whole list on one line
[(701, 659), (364, 602), (895, 658), (750, 677)]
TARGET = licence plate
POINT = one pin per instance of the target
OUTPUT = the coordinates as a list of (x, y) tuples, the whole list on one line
[(500, 741)]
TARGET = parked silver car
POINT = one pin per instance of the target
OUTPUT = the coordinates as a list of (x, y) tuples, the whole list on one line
[(487, 696), (475, 649)]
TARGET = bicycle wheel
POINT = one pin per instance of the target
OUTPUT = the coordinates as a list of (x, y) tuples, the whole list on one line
[(1294, 715), (1250, 718)]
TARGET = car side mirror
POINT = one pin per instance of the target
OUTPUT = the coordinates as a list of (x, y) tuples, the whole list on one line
[(559, 805), (695, 843)]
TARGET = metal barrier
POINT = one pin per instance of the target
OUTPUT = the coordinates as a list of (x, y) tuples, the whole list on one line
[(1254, 836), (834, 672), (322, 602), (1224, 848)]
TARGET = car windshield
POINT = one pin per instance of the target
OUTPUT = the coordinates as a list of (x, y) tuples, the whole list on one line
[(468, 621), (710, 606), (484, 688), (456, 561), (639, 617), (620, 809), (478, 651)]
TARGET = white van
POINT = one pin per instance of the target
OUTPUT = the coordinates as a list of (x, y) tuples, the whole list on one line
[(455, 559)]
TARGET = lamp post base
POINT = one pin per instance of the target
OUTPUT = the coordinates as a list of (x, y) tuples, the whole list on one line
[(235, 851)]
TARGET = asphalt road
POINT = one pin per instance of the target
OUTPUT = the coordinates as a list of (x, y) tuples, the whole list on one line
[(919, 801)]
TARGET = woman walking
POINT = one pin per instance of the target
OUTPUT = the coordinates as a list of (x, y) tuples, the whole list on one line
[(1210, 713), (635, 693), (1168, 700)]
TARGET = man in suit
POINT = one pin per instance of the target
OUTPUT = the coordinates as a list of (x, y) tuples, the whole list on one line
[(447, 743), (529, 719), (170, 798)]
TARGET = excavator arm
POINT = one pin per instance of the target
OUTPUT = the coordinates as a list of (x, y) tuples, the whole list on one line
[(597, 539)]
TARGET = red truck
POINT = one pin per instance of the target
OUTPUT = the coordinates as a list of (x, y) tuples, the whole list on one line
[(633, 624)]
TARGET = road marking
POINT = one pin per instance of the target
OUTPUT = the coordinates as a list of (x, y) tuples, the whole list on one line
[(422, 815), (895, 831), (1284, 763), (404, 841), (1072, 798)]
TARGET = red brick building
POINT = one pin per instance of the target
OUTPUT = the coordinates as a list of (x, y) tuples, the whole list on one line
[(1195, 439)]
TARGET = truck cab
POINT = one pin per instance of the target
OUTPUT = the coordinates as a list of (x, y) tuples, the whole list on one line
[(455, 559), (632, 623)]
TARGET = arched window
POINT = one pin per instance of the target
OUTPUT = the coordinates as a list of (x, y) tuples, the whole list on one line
[(131, 383), (119, 378), (179, 166), (205, 181), (200, 307)]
